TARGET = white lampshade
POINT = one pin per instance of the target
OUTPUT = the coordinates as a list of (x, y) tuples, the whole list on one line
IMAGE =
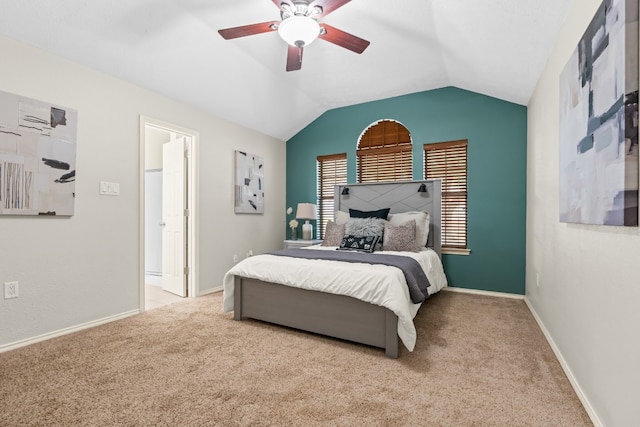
[(306, 211), (299, 30)]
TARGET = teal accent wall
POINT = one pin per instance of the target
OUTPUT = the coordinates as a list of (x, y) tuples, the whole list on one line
[(497, 167)]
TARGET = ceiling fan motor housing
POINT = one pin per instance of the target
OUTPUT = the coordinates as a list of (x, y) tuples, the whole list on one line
[(299, 8)]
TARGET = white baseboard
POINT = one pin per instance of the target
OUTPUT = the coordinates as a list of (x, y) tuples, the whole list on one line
[(72, 329), (563, 363), (567, 370), (485, 293), (210, 291), (65, 331)]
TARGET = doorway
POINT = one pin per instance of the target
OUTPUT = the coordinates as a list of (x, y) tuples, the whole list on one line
[(168, 256)]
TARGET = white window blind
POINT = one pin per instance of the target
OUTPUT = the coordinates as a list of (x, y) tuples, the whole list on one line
[(448, 161)]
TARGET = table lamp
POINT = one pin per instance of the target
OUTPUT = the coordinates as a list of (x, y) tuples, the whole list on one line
[(306, 211)]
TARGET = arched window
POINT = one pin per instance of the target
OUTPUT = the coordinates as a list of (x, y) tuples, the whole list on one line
[(384, 153)]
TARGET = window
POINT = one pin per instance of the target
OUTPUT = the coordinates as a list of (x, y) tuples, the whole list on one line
[(332, 171), (384, 153), (448, 161)]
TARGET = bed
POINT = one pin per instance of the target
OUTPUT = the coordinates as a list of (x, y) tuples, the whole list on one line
[(367, 304)]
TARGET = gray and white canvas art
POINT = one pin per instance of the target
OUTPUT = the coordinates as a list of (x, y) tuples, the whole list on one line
[(599, 121), (249, 185), (37, 157)]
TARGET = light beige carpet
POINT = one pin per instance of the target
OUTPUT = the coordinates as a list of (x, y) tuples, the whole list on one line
[(479, 361)]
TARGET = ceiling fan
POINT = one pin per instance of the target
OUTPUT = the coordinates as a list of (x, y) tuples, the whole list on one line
[(299, 27)]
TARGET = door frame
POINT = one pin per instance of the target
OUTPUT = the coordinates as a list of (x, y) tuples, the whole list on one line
[(192, 255)]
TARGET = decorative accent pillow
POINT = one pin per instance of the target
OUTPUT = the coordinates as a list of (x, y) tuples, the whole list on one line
[(341, 217), (380, 213), (401, 237), (365, 227), (422, 224), (355, 243), (333, 234)]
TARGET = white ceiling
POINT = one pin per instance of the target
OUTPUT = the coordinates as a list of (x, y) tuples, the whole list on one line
[(493, 47)]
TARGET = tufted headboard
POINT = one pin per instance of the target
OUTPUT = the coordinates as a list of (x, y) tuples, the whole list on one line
[(399, 197)]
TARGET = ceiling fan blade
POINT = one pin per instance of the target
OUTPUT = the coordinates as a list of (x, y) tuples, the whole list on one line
[(328, 6), (344, 39), (294, 58), (248, 30)]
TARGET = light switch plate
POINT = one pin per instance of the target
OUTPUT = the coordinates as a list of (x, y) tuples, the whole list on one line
[(10, 290), (109, 188)]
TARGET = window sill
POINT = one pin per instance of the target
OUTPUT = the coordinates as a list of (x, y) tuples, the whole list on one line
[(456, 251)]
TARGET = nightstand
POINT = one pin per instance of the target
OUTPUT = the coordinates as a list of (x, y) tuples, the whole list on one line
[(300, 243)]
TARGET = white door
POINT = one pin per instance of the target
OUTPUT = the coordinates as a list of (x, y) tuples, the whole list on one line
[(152, 222), (174, 278)]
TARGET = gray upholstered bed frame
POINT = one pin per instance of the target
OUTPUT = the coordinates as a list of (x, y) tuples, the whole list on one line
[(337, 315)]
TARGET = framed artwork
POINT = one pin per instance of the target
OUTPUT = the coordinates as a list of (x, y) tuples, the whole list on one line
[(37, 157), (599, 121), (249, 184)]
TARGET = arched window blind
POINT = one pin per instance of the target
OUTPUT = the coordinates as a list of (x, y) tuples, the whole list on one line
[(332, 171), (448, 161), (384, 153)]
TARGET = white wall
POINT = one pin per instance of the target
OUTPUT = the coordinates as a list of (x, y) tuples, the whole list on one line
[(589, 293), (85, 268)]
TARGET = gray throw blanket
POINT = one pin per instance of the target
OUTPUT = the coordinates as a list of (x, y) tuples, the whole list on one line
[(416, 279)]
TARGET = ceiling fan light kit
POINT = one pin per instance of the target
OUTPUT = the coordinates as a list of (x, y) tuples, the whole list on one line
[(299, 30), (299, 27)]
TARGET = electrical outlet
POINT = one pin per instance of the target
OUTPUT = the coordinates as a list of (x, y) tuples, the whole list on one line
[(537, 279), (10, 290), (250, 253), (235, 257)]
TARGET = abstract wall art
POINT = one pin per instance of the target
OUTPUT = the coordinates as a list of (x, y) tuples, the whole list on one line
[(599, 121), (249, 184), (37, 157)]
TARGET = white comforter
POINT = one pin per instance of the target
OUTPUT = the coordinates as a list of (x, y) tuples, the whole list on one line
[(377, 284)]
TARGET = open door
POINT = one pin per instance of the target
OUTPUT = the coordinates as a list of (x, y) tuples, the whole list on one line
[(174, 217)]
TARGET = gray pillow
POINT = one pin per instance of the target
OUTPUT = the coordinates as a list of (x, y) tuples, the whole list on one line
[(333, 234), (401, 237), (422, 224), (364, 227)]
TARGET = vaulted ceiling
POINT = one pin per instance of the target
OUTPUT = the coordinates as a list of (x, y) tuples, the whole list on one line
[(493, 47)]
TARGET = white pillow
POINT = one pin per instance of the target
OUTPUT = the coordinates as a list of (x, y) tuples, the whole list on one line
[(422, 224), (341, 217)]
